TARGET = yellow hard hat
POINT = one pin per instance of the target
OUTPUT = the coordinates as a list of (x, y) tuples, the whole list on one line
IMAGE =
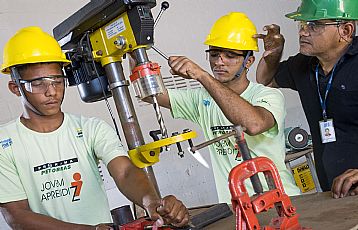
[(233, 31), (31, 45)]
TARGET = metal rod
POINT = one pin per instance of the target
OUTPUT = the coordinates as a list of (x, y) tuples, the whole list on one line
[(212, 141), (158, 17), (160, 53), (126, 112), (245, 153), (164, 7)]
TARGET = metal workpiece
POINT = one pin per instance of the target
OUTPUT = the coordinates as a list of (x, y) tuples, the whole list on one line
[(126, 112), (212, 141), (245, 153)]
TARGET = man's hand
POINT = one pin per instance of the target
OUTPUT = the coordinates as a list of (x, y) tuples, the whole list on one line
[(186, 68), (168, 210), (344, 184), (273, 40), (270, 60)]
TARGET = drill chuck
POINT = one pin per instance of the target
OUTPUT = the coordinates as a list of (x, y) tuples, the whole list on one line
[(147, 80)]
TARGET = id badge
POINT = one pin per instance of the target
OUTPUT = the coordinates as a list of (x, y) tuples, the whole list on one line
[(327, 131)]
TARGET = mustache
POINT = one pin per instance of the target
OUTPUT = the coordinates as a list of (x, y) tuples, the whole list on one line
[(304, 40), (219, 69)]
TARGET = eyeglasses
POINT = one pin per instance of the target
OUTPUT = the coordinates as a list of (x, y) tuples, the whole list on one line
[(41, 84), (227, 56), (316, 27)]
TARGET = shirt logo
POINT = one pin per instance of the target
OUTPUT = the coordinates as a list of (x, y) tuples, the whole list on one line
[(206, 102), (58, 189), (6, 143), (53, 167), (77, 185), (263, 101)]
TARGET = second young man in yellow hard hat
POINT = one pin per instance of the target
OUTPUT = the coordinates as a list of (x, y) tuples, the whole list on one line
[(228, 98)]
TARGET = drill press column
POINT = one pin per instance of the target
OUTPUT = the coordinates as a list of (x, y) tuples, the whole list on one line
[(125, 109)]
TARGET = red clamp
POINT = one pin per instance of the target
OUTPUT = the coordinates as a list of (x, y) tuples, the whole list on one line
[(141, 224), (145, 70), (246, 209)]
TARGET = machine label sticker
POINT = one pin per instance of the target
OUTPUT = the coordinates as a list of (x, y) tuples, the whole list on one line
[(327, 131), (115, 28), (57, 188), (224, 147)]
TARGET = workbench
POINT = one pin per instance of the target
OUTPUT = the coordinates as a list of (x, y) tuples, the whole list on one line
[(317, 210)]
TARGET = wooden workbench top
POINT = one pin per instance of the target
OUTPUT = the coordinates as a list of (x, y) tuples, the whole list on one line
[(318, 211)]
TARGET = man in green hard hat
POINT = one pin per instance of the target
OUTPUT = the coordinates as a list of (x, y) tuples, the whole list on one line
[(325, 75)]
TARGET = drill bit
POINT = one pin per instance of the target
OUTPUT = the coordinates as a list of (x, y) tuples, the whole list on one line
[(160, 119)]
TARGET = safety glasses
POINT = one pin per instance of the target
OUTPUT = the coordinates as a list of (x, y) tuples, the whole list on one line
[(40, 85), (316, 27), (227, 56)]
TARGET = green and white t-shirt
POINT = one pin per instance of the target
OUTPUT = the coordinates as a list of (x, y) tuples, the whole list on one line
[(198, 106), (57, 172)]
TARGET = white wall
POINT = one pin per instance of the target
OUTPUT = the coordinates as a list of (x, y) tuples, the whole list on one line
[(182, 30)]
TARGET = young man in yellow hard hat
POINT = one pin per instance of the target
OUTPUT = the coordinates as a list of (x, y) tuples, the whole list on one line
[(49, 176), (228, 98), (324, 74)]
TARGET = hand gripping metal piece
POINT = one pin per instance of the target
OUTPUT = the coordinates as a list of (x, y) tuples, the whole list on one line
[(246, 209)]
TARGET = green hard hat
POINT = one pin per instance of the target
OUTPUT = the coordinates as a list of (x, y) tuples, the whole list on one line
[(311, 10)]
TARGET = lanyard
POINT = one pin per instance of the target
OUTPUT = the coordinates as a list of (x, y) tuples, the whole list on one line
[(329, 84)]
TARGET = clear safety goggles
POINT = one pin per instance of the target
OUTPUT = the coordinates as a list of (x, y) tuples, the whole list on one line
[(227, 56), (41, 84), (316, 27)]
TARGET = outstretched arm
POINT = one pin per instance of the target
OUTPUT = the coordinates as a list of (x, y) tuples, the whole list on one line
[(135, 185), (18, 215), (237, 110), (270, 60)]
